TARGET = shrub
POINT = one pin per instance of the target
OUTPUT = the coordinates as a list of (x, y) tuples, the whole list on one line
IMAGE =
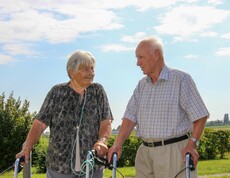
[(214, 143), (39, 154)]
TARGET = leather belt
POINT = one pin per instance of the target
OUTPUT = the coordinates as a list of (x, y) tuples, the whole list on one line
[(165, 142)]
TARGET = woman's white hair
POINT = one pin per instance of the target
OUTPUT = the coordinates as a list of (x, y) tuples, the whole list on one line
[(78, 58)]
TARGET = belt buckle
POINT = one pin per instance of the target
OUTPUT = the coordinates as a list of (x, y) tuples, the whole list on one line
[(150, 144)]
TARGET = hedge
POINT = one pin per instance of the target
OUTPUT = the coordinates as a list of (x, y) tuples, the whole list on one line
[(214, 144)]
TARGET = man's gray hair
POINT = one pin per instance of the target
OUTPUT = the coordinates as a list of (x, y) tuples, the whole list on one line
[(155, 43), (78, 58)]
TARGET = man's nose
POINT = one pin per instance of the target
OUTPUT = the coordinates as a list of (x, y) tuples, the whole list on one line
[(138, 62)]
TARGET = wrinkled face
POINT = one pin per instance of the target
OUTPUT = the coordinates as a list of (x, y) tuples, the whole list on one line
[(84, 75), (145, 59)]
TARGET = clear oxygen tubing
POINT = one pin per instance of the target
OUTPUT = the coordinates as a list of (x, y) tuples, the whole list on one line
[(76, 146)]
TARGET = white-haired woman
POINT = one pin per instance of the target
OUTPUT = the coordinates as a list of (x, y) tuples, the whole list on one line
[(79, 117)]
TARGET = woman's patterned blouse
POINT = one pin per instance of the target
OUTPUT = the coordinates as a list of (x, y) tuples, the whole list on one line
[(61, 111)]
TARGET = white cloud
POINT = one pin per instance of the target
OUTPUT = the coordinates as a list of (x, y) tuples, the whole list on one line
[(59, 21), (209, 34), (135, 38), (18, 49), (116, 48), (226, 36), (186, 21), (223, 52), (140, 5), (63, 21), (22, 5), (127, 39), (215, 2), (191, 56), (6, 59), (56, 22)]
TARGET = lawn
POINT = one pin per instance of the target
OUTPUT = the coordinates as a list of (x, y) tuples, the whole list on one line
[(222, 127), (214, 167)]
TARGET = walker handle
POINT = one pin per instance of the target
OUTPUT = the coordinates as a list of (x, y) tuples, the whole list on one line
[(17, 166), (191, 163)]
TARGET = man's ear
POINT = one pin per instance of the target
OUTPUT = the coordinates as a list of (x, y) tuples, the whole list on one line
[(157, 53)]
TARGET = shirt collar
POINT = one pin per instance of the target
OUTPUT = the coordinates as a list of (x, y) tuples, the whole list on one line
[(164, 75)]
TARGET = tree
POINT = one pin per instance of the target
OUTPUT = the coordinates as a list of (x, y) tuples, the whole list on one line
[(15, 122)]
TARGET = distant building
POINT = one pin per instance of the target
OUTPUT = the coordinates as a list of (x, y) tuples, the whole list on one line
[(226, 119), (115, 132)]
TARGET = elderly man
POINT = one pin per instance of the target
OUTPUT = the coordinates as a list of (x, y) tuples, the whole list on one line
[(168, 112)]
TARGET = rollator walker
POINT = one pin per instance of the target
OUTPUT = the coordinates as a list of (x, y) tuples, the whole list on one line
[(27, 167)]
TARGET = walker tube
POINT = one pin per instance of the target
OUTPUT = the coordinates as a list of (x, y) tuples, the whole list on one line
[(87, 165), (187, 158), (114, 165), (16, 166)]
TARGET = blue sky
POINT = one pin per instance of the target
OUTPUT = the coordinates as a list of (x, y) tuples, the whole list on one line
[(36, 38)]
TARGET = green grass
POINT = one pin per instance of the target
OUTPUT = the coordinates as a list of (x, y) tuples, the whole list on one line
[(210, 167), (222, 127), (217, 177), (126, 171), (214, 167)]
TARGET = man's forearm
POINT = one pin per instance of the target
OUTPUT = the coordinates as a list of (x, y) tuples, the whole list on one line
[(199, 127), (124, 132)]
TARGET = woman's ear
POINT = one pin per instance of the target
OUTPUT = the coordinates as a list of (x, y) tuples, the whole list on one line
[(71, 73)]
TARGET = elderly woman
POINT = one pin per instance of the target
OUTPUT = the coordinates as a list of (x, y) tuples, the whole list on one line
[(79, 117)]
